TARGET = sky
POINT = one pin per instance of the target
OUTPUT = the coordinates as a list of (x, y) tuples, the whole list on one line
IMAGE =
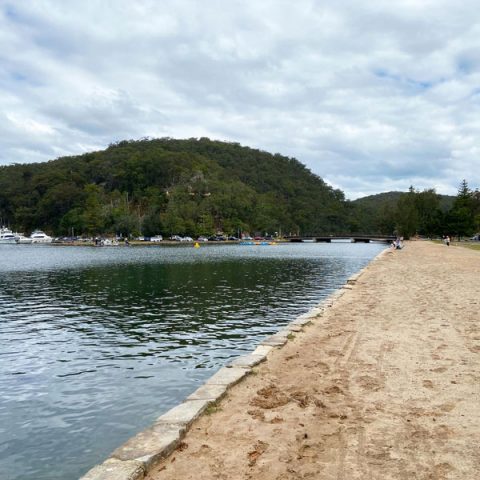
[(372, 96)]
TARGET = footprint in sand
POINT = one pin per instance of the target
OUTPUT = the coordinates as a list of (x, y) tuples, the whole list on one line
[(301, 398), (428, 384), (369, 383), (269, 397), (447, 407), (257, 414), (333, 390), (258, 449), (441, 470), (420, 434), (318, 366), (335, 353), (439, 369), (443, 432)]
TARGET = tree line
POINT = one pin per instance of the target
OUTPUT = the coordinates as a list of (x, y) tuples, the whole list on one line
[(167, 186), (201, 187), (424, 213)]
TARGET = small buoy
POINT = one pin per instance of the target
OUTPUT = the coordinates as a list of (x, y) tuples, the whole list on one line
[(197, 245)]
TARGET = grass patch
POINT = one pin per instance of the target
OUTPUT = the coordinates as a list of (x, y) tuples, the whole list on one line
[(213, 408), (471, 246), (290, 336)]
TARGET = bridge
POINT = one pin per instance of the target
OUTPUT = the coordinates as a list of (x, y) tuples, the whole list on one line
[(348, 237)]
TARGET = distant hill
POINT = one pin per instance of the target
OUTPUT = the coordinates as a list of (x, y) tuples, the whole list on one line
[(374, 201), (376, 213), (186, 187), (391, 198), (168, 186)]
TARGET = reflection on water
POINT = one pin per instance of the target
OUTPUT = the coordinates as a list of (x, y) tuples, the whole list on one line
[(96, 343)]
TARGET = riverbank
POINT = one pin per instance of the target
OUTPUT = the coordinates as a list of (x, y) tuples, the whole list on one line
[(383, 385)]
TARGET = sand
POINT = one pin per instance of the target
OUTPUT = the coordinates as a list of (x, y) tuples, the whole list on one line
[(384, 385)]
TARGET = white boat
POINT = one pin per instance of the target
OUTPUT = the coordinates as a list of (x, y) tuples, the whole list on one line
[(22, 239), (109, 243), (6, 235), (40, 237)]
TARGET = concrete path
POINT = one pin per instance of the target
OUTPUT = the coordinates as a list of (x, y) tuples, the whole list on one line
[(384, 385)]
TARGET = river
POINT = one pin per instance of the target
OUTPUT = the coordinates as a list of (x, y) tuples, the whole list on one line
[(95, 343)]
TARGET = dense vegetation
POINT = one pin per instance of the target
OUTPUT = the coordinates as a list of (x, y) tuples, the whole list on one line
[(201, 187), (191, 187), (424, 212)]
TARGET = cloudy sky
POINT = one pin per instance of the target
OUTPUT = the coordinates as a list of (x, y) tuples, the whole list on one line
[(372, 96)]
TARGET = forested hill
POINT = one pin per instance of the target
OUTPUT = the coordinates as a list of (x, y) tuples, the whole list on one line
[(168, 186), (427, 213)]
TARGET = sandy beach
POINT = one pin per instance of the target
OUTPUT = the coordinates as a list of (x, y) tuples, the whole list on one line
[(385, 384)]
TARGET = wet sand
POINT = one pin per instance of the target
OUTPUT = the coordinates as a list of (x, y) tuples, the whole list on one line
[(384, 385)]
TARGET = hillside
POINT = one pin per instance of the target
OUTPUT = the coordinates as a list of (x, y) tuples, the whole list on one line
[(390, 199), (379, 213), (168, 186)]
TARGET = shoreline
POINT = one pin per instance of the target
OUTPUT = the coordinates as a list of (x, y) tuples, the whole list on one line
[(382, 385), (138, 455)]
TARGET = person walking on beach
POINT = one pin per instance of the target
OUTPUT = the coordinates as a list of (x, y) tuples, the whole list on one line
[(447, 240)]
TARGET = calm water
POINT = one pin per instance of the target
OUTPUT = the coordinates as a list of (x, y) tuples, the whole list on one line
[(96, 343)]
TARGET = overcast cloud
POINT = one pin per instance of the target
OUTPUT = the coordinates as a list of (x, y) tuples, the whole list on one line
[(372, 96)]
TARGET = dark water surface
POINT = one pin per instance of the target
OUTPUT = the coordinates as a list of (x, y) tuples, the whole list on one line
[(95, 343)]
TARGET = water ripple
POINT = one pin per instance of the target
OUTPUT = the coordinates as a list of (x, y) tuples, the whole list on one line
[(98, 342)]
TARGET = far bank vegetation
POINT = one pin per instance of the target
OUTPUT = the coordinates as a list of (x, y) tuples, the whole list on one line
[(201, 187)]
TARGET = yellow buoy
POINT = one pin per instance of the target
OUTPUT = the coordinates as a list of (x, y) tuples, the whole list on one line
[(197, 245)]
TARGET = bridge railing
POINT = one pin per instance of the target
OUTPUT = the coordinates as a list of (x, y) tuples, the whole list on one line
[(330, 238)]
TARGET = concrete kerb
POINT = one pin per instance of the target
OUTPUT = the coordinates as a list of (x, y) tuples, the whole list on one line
[(227, 376), (184, 414), (278, 339), (353, 279), (263, 350), (247, 361), (294, 328), (134, 458), (380, 255), (302, 321), (150, 446), (213, 393), (113, 469)]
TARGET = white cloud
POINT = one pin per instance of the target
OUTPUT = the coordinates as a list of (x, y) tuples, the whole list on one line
[(372, 97)]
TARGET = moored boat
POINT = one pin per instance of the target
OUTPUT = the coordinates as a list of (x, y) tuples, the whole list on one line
[(21, 239), (6, 236), (40, 237)]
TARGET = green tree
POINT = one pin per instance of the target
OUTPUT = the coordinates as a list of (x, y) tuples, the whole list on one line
[(72, 223), (152, 224), (93, 218), (406, 216), (427, 204), (461, 218)]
